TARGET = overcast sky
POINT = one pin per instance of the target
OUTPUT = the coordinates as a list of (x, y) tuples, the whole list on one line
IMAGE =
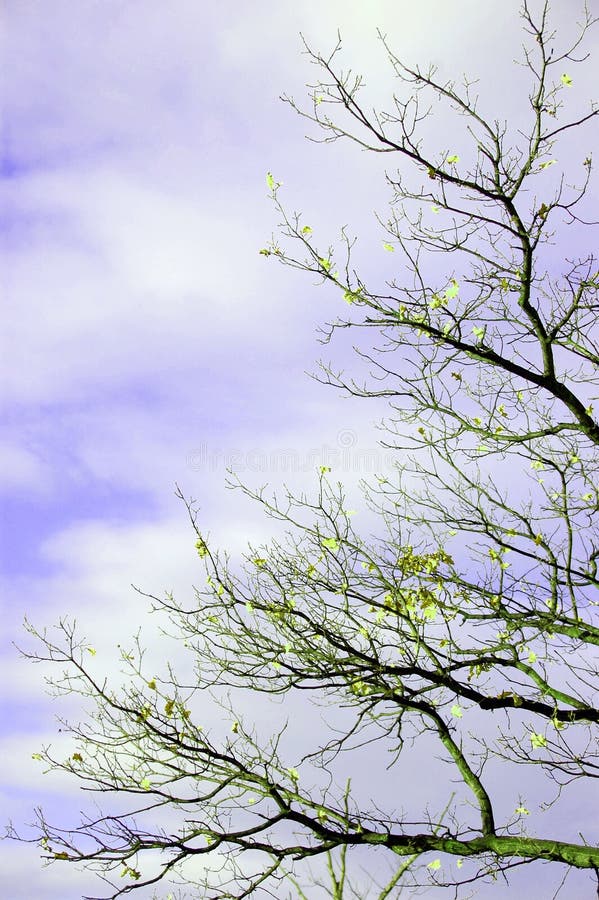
[(145, 341)]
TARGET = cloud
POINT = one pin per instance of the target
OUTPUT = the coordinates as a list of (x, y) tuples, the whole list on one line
[(21, 468), (27, 876), (147, 290)]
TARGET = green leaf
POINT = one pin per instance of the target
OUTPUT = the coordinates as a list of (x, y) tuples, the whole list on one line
[(453, 159), (452, 291), (201, 547), (77, 757), (61, 855), (542, 211), (324, 470), (293, 774), (132, 873), (435, 864), (306, 230), (389, 247), (235, 727), (456, 711), (152, 684), (91, 651), (330, 543), (565, 79), (351, 296), (325, 263), (145, 783), (549, 162), (259, 561), (532, 657), (265, 252), (478, 332), (271, 183), (36, 756), (522, 811), (537, 740)]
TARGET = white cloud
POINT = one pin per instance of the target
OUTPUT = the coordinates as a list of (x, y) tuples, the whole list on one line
[(21, 468), (147, 285), (96, 564), (25, 873)]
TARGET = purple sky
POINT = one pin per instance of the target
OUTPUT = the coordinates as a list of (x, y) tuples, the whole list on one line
[(146, 341)]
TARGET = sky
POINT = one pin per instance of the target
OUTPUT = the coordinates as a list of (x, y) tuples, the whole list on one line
[(145, 341)]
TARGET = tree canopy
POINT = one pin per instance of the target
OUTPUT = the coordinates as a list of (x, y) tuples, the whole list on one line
[(465, 629)]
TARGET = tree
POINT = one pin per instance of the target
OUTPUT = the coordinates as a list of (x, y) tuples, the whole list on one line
[(466, 628)]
